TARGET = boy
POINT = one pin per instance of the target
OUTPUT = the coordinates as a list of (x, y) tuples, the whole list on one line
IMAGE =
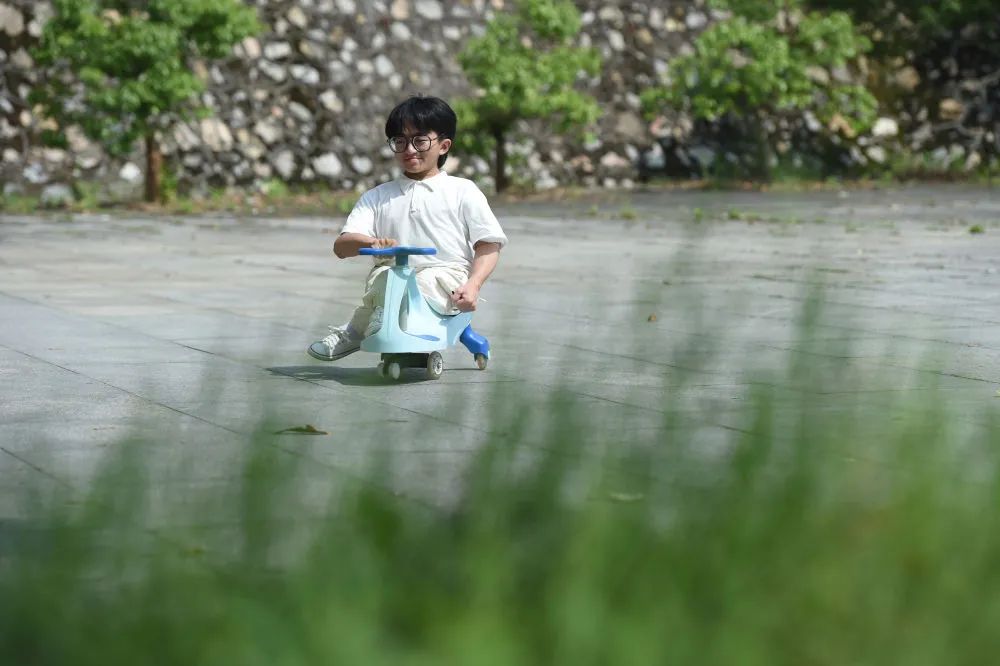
[(424, 207)]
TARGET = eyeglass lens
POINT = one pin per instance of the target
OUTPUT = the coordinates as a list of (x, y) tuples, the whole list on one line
[(420, 143)]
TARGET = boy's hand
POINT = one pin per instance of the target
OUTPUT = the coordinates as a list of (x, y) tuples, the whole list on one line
[(465, 297), (380, 243)]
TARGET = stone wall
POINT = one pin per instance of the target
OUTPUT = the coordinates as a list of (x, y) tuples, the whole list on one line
[(306, 100)]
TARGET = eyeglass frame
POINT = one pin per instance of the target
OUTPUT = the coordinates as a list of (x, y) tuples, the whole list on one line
[(410, 142)]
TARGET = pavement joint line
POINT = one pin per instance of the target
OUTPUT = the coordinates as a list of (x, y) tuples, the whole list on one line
[(863, 288), (316, 383), (660, 363), (215, 354), (284, 448), (540, 383), (876, 362), (645, 407), (914, 389), (749, 316), (744, 315), (36, 468), (713, 308), (121, 389), (866, 306)]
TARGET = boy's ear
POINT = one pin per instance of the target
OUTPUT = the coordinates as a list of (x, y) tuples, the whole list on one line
[(445, 146)]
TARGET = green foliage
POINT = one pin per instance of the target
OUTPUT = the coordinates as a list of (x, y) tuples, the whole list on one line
[(170, 185), (525, 66), (275, 187), (345, 205), (18, 203), (742, 66), (121, 72), (907, 26), (88, 195), (628, 213), (765, 61)]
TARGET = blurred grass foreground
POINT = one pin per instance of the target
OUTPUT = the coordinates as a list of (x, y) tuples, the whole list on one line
[(809, 535)]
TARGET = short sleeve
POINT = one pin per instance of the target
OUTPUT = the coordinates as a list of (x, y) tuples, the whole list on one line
[(362, 217), (479, 218)]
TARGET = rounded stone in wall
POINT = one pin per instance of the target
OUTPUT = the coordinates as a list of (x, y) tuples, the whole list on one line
[(331, 102), (400, 32), (184, 137), (130, 173), (305, 74), (297, 17), (384, 66), (284, 162), (21, 59), (11, 20), (300, 112), (216, 134), (57, 194), (54, 155), (695, 21), (429, 9), (400, 10), (274, 72), (268, 131), (262, 170), (277, 50), (249, 48), (328, 165), (612, 15), (616, 40), (361, 164)]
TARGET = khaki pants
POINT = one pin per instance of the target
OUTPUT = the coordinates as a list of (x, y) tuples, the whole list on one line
[(434, 282)]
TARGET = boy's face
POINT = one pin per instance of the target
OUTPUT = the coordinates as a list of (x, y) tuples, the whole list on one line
[(419, 158)]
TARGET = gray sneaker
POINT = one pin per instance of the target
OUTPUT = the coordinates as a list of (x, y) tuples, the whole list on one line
[(334, 346)]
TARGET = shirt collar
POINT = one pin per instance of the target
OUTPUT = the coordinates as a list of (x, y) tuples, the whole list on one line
[(431, 184)]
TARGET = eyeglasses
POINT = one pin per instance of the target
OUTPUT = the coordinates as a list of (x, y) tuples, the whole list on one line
[(421, 143)]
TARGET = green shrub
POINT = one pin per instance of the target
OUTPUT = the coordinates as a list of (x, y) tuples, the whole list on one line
[(760, 64), (525, 67)]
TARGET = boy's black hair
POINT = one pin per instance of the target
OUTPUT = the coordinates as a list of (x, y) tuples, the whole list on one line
[(424, 114)]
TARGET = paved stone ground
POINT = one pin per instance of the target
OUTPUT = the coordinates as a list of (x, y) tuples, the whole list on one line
[(643, 307)]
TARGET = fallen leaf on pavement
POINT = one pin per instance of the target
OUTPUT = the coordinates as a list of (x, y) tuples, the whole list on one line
[(302, 430)]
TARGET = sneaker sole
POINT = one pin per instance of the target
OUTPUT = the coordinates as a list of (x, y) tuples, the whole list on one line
[(321, 357)]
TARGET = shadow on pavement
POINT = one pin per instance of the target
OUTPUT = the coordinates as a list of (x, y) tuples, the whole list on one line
[(346, 376), (356, 376)]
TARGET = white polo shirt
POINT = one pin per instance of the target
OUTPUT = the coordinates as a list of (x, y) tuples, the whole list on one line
[(445, 212)]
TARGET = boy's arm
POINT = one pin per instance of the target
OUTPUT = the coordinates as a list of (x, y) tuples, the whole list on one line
[(487, 254), (348, 244)]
